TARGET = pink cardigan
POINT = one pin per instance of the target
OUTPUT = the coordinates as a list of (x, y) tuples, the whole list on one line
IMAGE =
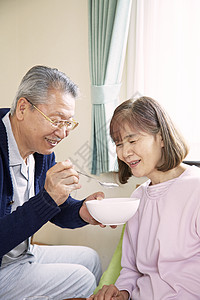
[(161, 245)]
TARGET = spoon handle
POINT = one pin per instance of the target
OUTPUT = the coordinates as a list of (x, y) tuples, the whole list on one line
[(85, 175)]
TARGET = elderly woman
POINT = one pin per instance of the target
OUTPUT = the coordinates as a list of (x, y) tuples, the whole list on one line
[(161, 245)]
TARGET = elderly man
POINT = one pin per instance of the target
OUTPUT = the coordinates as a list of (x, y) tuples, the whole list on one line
[(35, 190)]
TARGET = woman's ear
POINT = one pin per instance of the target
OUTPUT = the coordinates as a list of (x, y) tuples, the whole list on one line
[(161, 140), (22, 107)]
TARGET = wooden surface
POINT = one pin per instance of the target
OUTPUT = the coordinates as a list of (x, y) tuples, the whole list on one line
[(75, 299)]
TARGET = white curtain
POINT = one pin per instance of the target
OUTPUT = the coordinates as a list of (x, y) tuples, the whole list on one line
[(164, 61)]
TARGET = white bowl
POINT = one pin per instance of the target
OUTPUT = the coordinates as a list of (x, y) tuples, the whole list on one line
[(113, 211)]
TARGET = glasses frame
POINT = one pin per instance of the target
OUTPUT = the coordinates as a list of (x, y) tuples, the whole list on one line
[(60, 124)]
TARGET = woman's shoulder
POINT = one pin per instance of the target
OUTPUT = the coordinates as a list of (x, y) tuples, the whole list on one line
[(140, 189), (189, 180), (192, 173)]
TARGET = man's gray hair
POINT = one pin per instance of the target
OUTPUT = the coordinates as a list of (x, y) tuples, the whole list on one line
[(38, 81)]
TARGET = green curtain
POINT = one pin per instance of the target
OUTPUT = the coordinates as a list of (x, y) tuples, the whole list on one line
[(108, 32)]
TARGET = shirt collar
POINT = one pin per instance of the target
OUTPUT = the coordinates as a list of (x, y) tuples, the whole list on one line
[(14, 155)]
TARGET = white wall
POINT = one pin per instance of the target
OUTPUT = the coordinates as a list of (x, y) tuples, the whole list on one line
[(55, 33)]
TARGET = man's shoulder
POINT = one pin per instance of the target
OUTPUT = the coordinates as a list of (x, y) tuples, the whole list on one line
[(3, 112)]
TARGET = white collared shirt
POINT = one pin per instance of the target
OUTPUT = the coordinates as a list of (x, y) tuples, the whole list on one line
[(22, 175)]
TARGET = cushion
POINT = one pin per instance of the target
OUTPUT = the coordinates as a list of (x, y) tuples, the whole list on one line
[(114, 267)]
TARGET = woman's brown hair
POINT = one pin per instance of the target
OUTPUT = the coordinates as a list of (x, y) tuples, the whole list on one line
[(146, 115)]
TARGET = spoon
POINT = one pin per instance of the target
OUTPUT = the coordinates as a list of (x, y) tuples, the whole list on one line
[(105, 184)]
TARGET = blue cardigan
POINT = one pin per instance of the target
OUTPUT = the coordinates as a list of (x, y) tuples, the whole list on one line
[(17, 226)]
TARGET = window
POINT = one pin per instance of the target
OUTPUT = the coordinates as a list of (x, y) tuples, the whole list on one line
[(164, 61)]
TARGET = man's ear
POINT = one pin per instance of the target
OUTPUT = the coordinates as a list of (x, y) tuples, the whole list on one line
[(22, 107)]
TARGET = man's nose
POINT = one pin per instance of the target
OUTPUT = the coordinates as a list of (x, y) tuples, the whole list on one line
[(62, 132)]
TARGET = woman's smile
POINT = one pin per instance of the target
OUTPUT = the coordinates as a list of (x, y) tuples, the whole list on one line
[(134, 164)]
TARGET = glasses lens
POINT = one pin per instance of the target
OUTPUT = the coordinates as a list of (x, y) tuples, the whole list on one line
[(55, 124), (69, 124)]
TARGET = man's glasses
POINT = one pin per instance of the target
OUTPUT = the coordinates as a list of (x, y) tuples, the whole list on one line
[(56, 124)]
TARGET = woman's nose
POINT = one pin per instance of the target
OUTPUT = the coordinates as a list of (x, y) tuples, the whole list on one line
[(127, 150)]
